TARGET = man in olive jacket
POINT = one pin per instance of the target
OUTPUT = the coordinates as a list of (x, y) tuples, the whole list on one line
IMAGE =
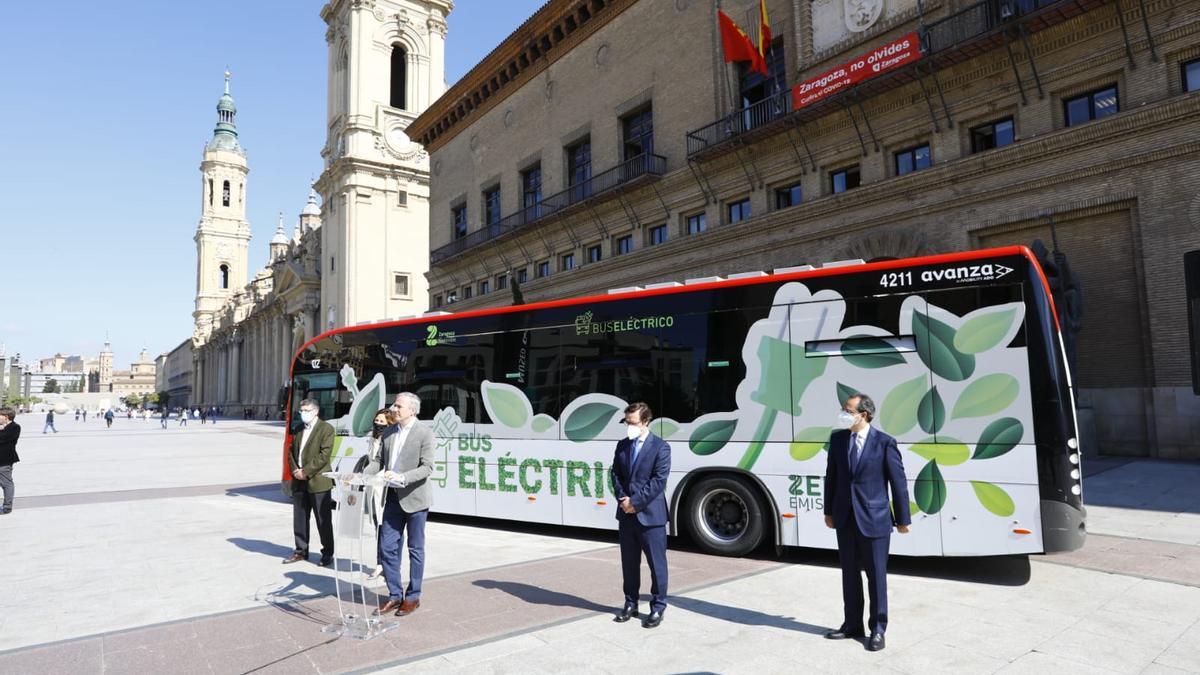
[(308, 459)]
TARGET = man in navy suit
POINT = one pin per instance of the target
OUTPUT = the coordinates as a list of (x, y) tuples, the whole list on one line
[(863, 463), (639, 476)]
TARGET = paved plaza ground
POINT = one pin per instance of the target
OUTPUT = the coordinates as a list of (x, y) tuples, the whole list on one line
[(149, 550)]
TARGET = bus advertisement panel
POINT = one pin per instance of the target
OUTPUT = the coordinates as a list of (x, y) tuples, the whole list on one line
[(745, 378)]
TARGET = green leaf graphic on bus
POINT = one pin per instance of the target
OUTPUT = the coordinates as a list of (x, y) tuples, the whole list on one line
[(935, 346), (506, 404), (994, 498), (944, 450), (987, 395), (367, 402), (931, 413), (984, 329), (809, 442), (845, 391), (866, 351), (998, 438), (711, 436), (588, 420), (898, 413), (664, 427), (542, 423), (930, 490), (777, 358)]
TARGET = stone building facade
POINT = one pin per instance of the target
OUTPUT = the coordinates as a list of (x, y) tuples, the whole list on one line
[(605, 144)]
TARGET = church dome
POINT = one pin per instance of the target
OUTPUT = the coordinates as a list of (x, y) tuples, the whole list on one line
[(311, 208)]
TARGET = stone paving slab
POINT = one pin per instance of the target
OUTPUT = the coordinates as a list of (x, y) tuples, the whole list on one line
[(286, 637)]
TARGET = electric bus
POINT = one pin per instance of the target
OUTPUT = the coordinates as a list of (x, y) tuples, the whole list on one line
[(745, 377)]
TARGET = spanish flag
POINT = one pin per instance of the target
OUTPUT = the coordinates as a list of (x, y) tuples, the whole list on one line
[(737, 45), (764, 33)]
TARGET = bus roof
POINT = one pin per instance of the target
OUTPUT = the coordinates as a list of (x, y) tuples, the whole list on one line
[(843, 270)]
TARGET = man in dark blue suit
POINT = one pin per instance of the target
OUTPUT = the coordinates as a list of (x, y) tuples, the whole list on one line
[(639, 476), (863, 463)]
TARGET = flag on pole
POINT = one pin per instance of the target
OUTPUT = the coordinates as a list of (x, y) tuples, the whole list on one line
[(737, 45), (764, 33)]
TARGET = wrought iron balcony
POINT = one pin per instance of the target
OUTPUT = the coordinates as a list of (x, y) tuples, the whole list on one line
[(627, 174), (974, 29), (741, 121)]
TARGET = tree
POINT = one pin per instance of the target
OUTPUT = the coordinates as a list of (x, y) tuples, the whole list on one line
[(133, 400), (164, 400), (51, 386), (152, 397)]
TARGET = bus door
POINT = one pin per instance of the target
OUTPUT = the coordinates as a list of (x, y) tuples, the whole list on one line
[(851, 345), (978, 467)]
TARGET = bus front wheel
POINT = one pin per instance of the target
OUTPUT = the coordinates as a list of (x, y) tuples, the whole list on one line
[(725, 515)]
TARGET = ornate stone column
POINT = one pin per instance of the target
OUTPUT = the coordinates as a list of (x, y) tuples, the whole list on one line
[(235, 374)]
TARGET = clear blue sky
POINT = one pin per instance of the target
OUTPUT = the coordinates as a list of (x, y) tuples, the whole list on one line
[(104, 111)]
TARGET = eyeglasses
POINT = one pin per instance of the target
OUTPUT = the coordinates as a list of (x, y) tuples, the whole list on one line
[(394, 408)]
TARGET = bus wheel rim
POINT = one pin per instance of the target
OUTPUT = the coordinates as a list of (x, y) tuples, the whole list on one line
[(722, 516)]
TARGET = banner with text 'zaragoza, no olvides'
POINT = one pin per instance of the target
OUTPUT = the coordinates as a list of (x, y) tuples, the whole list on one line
[(899, 52)]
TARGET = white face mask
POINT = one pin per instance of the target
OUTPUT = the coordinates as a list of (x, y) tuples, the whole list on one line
[(632, 432), (845, 420), (307, 416)]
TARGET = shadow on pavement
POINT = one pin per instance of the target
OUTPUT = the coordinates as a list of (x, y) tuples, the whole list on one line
[(259, 546), (746, 617), (536, 595), (266, 491)]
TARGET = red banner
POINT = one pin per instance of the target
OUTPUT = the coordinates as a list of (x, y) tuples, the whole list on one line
[(902, 51)]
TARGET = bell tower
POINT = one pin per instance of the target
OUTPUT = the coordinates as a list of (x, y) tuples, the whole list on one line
[(386, 66), (223, 234)]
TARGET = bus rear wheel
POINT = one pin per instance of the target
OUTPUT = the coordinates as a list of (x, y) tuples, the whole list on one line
[(725, 515)]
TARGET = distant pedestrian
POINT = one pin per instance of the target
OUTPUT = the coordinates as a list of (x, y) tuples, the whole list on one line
[(183, 415), (49, 422), (163, 414), (212, 414), (108, 417), (85, 414), (10, 431), (77, 414)]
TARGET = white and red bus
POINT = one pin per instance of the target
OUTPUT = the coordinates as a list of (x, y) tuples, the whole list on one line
[(961, 352)]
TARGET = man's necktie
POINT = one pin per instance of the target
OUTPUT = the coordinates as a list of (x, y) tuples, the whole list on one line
[(637, 447), (854, 442)]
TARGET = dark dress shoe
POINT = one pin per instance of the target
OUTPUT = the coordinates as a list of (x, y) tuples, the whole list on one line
[(875, 643), (325, 562), (296, 557), (841, 634), (652, 620), (408, 607), (389, 606), (628, 612)]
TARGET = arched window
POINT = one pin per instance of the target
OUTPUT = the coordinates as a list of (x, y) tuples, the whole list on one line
[(399, 75), (224, 277), (225, 193), (210, 192)]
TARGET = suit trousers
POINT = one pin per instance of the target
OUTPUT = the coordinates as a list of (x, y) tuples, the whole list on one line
[(6, 484), (859, 553), (638, 540), (318, 504), (396, 522)]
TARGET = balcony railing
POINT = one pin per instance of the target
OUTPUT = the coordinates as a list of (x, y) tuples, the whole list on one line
[(955, 37), (740, 121), (607, 182)]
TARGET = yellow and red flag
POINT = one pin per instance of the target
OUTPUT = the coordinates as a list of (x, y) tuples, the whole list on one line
[(764, 33), (737, 45)]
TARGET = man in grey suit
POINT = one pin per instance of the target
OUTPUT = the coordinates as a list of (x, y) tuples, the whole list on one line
[(406, 461)]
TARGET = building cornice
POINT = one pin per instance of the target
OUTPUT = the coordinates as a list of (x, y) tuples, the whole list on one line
[(551, 33)]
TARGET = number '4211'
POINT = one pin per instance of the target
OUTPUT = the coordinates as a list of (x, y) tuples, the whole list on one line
[(894, 279)]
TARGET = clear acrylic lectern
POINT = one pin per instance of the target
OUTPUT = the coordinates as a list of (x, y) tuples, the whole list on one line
[(354, 533)]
